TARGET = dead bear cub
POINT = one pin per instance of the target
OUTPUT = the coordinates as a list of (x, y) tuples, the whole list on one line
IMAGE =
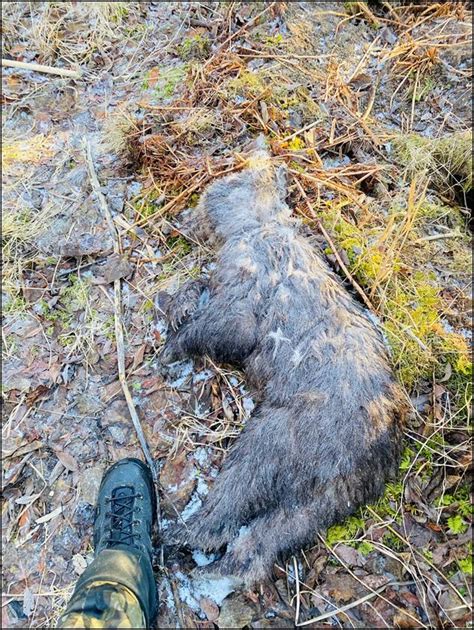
[(325, 434)]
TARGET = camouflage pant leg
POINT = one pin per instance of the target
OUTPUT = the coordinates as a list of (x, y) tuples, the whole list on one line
[(103, 605)]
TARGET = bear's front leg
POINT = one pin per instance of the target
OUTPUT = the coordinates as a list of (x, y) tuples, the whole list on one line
[(178, 307)]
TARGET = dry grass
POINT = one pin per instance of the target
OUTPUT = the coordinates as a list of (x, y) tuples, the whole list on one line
[(72, 32)]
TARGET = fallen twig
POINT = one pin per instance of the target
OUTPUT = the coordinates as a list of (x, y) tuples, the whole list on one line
[(243, 28), (357, 602), (346, 271), (118, 316), (36, 67)]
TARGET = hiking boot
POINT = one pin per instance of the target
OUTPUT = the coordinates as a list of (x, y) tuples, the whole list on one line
[(126, 508), (125, 514)]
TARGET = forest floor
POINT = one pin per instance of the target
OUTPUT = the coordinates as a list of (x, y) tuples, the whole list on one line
[(369, 105)]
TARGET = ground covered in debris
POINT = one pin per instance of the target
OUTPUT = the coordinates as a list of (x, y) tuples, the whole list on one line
[(369, 106)]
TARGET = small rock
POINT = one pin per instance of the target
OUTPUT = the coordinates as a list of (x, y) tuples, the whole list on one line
[(79, 563), (85, 244), (116, 267), (89, 483), (452, 605), (236, 612), (118, 433)]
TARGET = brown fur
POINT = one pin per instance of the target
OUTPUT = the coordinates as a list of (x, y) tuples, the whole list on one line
[(324, 437)]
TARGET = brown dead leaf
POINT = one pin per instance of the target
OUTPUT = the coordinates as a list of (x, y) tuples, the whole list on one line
[(36, 395), (111, 390), (153, 76), (178, 482), (24, 518), (209, 608), (138, 357), (67, 460), (350, 556), (342, 587), (24, 449), (403, 620)]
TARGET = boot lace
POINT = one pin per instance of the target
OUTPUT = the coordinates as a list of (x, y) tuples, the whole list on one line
[(121, 512)]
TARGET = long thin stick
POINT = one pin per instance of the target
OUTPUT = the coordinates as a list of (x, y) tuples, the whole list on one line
[(321, 227), (357, 602), (36, 67), (118, 317)]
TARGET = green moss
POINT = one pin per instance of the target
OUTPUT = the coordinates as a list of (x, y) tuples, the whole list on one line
[(387, 505), (195, 47), (247, 85), (412, 307), (194, 200), (147, 305), (15, 306), (465, 565), (459, 500), (273, 40), (345, 531), (445, 161), (457, 525), (365, 547), (393, 542), (109, 328), (179, 245), (296, 144)]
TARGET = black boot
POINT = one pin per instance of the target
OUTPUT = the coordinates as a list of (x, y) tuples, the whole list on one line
[(125, 515), (126, 508)]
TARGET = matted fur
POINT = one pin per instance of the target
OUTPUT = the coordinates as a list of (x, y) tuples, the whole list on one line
[(324, 436)]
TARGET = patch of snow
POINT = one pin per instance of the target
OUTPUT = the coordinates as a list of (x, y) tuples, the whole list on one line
[(201, 456), (216, 589), (202, 487), (180, 371), (204, 375), (248, 405), (201, 559), (192, 507), (185, 591)]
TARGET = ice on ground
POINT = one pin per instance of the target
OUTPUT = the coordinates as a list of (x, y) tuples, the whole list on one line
[(204, 375), (196, 501), (248, 405), (201, 456), (192, 507), (192, 591), (179, 373), (216, 589), (201, 559), (202, 488), (185, 591)]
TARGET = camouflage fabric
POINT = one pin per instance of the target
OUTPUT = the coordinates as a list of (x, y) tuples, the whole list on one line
[(103, 605)]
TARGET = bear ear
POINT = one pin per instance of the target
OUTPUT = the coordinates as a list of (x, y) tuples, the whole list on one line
[(281, 174)]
